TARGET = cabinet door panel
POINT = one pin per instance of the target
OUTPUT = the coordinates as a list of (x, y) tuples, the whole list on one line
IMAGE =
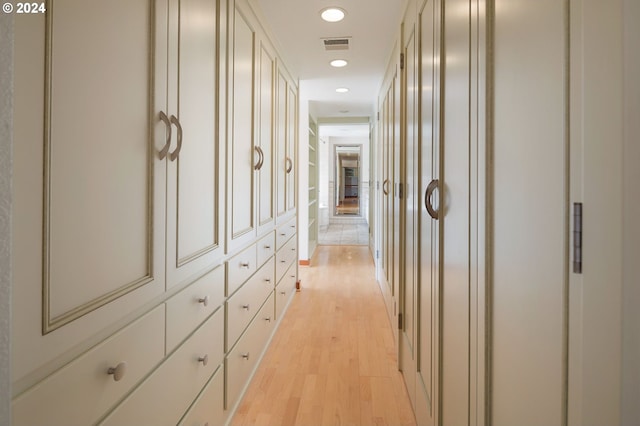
[(194, 177), (241, 147), (103, 184), (292, 125), (266, 136), (281, 145)]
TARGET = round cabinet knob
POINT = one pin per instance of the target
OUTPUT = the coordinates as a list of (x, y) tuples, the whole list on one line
[(267, 280), (267, 247), (246, 306), (245, 356), (244, 265), (204, 301), (204, 360), (268, 319), (118, 371), (283, 293)]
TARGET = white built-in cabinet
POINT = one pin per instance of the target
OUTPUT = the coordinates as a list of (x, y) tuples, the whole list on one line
[(508, 265), (145, 195), (286, 145)]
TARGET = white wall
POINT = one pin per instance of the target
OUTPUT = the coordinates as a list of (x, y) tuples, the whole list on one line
[(631, 213), (6, 167)]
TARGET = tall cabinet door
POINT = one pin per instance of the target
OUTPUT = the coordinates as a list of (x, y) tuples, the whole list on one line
[(427, 363), (292, 145), (194, 176), (87, 245), (281, 163), (455, 295), (241, 155), (408, 288), (265, 138)]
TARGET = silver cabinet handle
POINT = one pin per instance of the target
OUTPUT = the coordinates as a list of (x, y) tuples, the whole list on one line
[(268, 319), (176, 152), (267, 247), (118, 371), (283, 293), (246, 307), (163, 152), (289, 163), (245, 265), (427, 198), (385, 190), (204, 300), (204, 360), (267, 280), (260, 162), (245, 356)]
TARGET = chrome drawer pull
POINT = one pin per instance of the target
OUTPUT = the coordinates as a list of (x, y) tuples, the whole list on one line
[(268, 319), (283, 293), (118, 371), (268, 280), (244, 265), (204, 360), (204, 301), (246, 306), (283, 234), (283, 261), (267, 247), (245, 356)]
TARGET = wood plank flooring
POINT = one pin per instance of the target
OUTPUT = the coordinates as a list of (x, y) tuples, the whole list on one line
[(333, 359)]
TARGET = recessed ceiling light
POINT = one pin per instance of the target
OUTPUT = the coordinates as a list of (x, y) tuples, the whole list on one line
[(338, 63), (332, 14), (342, 90)]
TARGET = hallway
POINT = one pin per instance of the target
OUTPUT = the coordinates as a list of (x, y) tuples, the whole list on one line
[(333, 359)]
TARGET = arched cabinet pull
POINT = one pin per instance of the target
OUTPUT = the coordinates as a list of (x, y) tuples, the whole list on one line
[(260, 162), (385, 190), (163, 152), (289, 163), (176, 152), (427, 198)]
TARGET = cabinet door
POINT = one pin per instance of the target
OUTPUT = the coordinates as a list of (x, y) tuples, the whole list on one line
[(265, 137), (194, 214), (292, 126), (281, 145), (241, 157), (89, 207)]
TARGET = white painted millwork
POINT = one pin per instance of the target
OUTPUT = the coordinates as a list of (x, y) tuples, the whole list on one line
[(134, 233)]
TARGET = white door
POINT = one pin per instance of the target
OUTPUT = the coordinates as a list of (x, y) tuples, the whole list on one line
[(408, 346), (194, 177)]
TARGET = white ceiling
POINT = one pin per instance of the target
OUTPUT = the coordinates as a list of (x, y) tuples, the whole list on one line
[(298, 29)]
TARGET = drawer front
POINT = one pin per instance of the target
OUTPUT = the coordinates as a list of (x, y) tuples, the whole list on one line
[(286, 256), (242, 360), (189, 308), (285, 291), (265, 248), (83, 391), (240, 267), (208, 409), (182, 376), (285, 232), (243, 305)]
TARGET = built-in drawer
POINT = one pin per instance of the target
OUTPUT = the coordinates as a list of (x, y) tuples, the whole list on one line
[(84, 390), (285, 290), (285, 232), (265, 248), (240, 267), (242, 359), (243, 305), (189, 308), (166, 395), (285, 257), (208, 409)]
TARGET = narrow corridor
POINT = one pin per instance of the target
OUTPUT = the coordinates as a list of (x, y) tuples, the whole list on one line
[(333, 359)]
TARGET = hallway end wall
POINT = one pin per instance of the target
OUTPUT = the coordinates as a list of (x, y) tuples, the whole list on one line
[(6, 168)]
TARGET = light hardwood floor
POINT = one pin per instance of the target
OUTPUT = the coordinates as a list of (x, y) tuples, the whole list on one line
[(333, 359)]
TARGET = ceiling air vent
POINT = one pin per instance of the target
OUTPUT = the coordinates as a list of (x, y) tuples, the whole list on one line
[(341, 43)]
